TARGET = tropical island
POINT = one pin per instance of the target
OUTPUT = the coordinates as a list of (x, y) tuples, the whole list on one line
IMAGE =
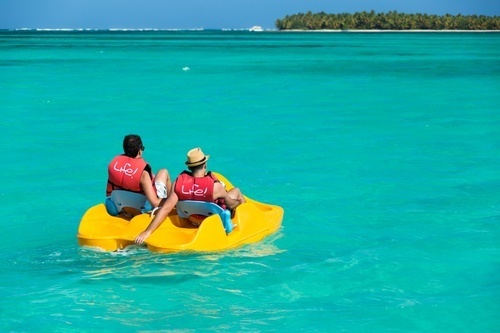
[(386, 21)]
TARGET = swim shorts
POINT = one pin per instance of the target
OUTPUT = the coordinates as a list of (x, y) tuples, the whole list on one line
[(161, 190)]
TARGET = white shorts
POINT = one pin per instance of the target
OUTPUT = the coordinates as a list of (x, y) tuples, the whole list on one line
[(161, 190)]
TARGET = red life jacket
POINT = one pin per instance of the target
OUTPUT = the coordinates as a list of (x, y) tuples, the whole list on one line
[(124, 173), (188, 187)]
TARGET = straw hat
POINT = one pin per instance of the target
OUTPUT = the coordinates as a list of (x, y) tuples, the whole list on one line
[(196, 157)]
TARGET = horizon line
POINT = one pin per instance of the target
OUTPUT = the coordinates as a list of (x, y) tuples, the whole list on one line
[(233, 29)]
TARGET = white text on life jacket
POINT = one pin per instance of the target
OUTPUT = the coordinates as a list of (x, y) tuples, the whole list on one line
[(125, 169), (198, 192)]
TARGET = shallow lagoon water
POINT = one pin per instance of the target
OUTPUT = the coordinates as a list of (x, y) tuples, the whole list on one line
[(383, 149)]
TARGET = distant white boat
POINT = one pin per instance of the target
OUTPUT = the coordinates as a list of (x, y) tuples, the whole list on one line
[(256, 28)]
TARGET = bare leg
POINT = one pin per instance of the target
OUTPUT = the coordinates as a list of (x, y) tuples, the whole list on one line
[(164, 177)]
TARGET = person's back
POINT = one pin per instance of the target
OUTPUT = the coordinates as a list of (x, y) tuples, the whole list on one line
[(201, 185), (130, 172), (124, 173)]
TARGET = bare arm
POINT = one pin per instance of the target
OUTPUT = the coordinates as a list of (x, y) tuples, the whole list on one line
[(147, 187), (160, 216), (232, 199)]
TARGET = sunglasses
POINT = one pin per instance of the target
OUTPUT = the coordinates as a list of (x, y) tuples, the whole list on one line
[(143, 148)]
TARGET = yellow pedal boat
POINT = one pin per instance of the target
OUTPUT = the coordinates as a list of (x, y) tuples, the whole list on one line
[(251, 222)]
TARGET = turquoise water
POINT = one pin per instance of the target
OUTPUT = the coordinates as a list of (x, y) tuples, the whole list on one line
[(383, 149)]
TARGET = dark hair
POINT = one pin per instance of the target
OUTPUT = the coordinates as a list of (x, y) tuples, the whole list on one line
[(132, 144), (196, 168)]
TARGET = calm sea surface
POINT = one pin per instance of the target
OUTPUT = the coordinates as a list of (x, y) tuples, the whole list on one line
[(383, 149)]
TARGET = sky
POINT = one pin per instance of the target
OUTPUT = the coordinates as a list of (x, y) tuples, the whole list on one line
[(207, 14)]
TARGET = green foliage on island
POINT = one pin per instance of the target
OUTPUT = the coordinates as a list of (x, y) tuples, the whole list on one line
[(386, 21)]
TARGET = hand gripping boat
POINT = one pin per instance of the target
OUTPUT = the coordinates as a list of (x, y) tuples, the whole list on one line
[(252, 221)]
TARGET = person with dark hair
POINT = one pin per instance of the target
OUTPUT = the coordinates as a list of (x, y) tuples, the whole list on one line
[(130, 172), (195, 184)]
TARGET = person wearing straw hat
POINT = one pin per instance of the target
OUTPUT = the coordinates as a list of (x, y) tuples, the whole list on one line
[(195, 184)]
